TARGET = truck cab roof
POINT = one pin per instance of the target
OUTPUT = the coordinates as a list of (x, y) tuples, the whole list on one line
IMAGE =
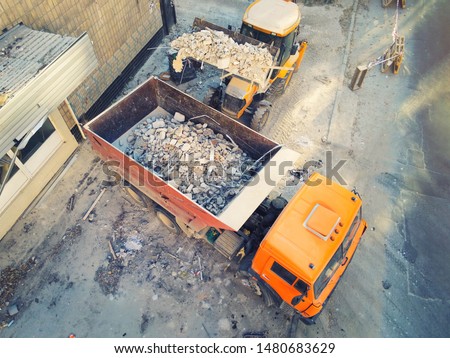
[(273, 16), (304, 236)]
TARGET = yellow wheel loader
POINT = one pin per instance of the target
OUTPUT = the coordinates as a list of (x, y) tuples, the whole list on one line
[(275, 24)]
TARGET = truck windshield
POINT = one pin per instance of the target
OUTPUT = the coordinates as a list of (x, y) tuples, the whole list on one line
[(335, 261), (352, 231)]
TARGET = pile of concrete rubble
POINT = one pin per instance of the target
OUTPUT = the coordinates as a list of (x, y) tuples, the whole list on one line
[(220, 50), (205, 166)]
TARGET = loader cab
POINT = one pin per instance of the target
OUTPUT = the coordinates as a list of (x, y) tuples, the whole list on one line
[(309, 247), (238, 96), (274, 22)]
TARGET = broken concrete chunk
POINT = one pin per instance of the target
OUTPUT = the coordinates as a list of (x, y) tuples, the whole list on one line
[(159, 124), (185, 147), (179, 117)]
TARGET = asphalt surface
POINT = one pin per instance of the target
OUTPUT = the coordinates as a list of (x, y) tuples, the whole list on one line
[(423, 177)]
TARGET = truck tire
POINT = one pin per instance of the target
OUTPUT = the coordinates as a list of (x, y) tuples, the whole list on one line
[(260, 118), (267, 296), (167, 219), (136, 196), (287, 309)]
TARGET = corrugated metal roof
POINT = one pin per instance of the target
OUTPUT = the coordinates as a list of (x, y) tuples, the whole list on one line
[(40, 76), (24, 52)]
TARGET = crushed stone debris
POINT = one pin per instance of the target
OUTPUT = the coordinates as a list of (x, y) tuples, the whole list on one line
[(220, 50), (192, 158)]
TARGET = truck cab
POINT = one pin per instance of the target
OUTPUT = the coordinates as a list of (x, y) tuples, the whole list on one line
[(309, 247)]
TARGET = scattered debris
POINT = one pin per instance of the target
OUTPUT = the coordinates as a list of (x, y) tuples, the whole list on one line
[(13, 310), (10, 278), (113, 253), (108, 277), (201, 269), (386, 285), (262, 334), (94, 204), (71, 203), (133, 244)]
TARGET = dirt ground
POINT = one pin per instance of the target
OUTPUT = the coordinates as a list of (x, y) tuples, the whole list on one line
[(59, 271)]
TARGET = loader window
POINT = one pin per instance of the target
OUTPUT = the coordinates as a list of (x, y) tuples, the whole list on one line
[(283, 273), (261, 36), (233, 104), (286, 48)]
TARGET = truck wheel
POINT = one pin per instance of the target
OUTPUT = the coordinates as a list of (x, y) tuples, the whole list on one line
[(267, 296), (167, 219), (287, 309), (260, 118), (136, 195), (213, 98)]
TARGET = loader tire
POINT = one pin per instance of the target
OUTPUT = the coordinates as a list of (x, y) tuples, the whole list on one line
[(213, 98), (260, 118), (276, 89), (167, 219)]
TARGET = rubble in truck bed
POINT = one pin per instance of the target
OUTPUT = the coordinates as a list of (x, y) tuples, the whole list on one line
[(220, 50), (207, 167)]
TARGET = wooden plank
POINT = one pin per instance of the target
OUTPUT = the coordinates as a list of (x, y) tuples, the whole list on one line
[(94, 204)]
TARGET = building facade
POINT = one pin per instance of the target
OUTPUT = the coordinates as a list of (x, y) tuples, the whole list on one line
[(119, 32), (118, 29)]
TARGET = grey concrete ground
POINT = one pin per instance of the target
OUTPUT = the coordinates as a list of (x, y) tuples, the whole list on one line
[(393, 134)]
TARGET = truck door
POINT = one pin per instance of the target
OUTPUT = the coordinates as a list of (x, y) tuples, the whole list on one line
[(285, 283)]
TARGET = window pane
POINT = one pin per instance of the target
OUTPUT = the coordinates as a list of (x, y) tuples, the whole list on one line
[(328, 272), (301, 286), (283, 273), (36, 141), (5, 162), (351, 233)]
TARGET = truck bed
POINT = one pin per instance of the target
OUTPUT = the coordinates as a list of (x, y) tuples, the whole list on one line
[(106, 130)]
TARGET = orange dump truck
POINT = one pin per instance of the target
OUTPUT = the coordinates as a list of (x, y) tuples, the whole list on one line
[(294, 251)]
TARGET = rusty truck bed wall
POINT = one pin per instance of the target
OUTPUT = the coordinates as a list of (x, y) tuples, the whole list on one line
[(115, 121), (111, 124)]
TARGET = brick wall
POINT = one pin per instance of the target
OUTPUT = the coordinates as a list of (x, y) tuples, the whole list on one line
[(118, 29)]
